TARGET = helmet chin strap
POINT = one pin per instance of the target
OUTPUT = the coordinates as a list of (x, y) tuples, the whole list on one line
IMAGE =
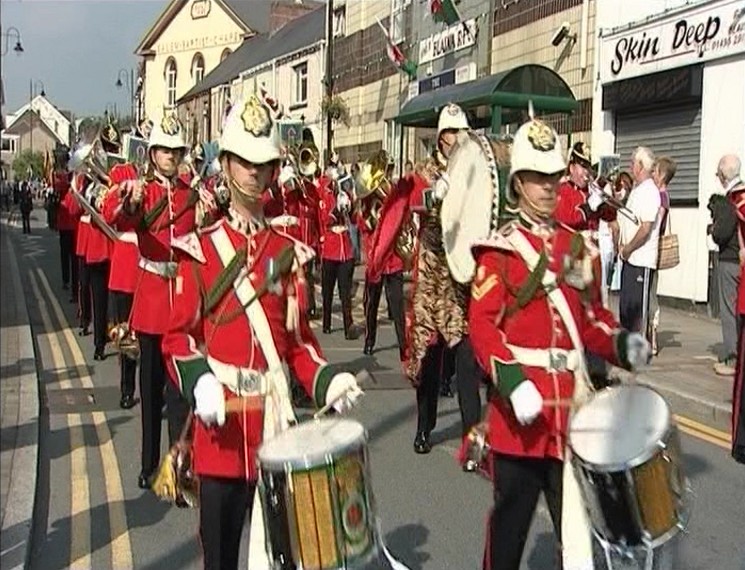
[(240, 196)]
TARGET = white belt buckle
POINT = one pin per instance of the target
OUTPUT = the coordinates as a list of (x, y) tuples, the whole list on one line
[(249, 382), (558, 361)]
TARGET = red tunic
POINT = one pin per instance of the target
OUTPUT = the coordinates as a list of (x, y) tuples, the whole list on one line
[(230, 450), (392, 262), (84, 222), (572, 209), (737, 197), (66, 219), (125, 254), (496, 325), (304, 206), (336, 244), (153, 298)]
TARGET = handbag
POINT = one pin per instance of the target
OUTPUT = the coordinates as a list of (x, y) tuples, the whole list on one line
[(669, 249)]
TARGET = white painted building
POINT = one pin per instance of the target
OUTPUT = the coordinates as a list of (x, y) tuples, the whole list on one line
[(671, 76)]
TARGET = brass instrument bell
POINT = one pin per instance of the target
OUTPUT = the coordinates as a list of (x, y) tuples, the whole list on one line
[(125, 341)]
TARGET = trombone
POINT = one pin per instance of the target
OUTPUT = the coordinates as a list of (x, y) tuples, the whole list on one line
[(594, 186)]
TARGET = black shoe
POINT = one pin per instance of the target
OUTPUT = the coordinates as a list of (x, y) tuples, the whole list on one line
[(446, 390), (99, 354), (84, 331), (181, 502), (313, 314), (143, 481), (326, 330), (470, 466), (422, 444), (127, 402), (368, 350)]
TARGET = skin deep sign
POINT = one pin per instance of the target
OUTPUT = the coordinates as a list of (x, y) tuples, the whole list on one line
[(710, 31)]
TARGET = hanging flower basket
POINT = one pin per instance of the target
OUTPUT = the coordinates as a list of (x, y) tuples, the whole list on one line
[(337, 109)]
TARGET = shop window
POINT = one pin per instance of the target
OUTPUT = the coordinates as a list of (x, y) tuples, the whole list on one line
[(397, 20), (197, 68), (340, 21), (171, 74), (301, 83)]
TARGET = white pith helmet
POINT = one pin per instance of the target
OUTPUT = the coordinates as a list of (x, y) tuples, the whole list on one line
[(250, 130), (452, 117), (167, 134), (536, 148)]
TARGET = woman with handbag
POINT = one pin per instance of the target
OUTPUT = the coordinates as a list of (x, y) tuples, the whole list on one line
[(664, 171)]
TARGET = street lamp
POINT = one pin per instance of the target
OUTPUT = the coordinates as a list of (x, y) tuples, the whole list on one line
[(32, 85), (12, 31), (129, 82)]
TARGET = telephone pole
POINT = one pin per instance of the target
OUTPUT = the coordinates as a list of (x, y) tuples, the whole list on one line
[(329, 74)]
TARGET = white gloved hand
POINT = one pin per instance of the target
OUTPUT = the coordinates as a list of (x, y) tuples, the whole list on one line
[(594, 201), (133, 189), (638, 350), (441, 187), (343, 203), (343, 391), (286, 174), (209, 400), (527, 402)]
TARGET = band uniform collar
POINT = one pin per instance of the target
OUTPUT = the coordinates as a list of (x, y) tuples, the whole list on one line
[(541, 229), (244, 225)]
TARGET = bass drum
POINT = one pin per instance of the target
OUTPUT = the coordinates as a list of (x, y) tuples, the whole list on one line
[(471, 202)]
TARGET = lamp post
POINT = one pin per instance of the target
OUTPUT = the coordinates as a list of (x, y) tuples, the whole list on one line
[(32, 91), (12, 31), (128, 81)]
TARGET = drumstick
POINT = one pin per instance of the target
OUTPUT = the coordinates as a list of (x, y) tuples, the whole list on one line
[(248, 404), (362, 376)]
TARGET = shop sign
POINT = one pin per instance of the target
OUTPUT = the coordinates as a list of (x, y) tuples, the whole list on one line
[(455, 38), (200, 9), (711, 31), (193, 44), (449, 77)]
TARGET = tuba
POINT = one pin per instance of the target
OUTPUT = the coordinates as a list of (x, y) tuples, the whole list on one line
[(125, 340), (307, 160)]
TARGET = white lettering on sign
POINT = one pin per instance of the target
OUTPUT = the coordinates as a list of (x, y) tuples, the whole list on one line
[(683, 38), (193, 44), (200, 9), (455, 38)]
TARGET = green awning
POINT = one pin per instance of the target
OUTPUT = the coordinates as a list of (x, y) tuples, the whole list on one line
[(511, 89)]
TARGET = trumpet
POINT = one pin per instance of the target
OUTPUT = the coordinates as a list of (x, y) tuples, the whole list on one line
[(125, 341)]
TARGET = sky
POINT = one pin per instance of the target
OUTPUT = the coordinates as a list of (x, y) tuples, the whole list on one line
[(75, 48)]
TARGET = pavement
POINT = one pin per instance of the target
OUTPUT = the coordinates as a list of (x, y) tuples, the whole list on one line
[(87, 511)]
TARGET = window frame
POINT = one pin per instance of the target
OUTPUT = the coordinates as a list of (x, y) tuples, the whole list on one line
[(339, 18), (171, 72), (396, 22), (197, 71), (299, 78)]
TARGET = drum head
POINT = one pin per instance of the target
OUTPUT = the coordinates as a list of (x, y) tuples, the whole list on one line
[(308, 444), (466, 210), (619, 428)]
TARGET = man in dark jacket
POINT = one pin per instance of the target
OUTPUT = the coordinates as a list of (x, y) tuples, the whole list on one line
[(723, 231), (27, 205)]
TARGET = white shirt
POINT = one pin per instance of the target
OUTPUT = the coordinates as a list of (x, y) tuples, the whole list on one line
[(644, 201)]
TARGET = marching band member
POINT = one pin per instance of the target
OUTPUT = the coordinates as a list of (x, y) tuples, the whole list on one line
[(372, 177), (123, 279), (66, 225), (436, 319), (534, 304), (83, 294), (337, 254), (244, 343), (576, 207), (162, 211)]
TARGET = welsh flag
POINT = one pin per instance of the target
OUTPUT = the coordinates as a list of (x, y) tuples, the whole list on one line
[(397, 57), (444, 11)]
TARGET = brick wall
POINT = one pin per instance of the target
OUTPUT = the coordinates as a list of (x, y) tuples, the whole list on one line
[(283, 12), (508, 16)]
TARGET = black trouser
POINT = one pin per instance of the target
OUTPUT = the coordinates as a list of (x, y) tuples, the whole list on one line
[(310, 280), (99, 278), (394, 293), (127, 366), (738, 397), (153, 384), (636, 288), (67, 258), (331, 272), (222, 512), (84, 293), (468, 376), (26, 218), (518, 482)]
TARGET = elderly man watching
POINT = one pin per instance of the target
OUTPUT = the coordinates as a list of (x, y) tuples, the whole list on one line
[(639, 243)]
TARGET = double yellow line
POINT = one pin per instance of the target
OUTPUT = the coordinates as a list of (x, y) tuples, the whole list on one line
[(121, 548), (704, 432)]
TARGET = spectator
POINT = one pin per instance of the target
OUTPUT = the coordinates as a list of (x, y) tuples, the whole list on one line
[(639, 243), (26, 205), (664, 171), (723, 231)]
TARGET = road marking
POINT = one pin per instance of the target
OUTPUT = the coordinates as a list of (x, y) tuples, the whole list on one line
[(121, 547), (80, 523), (704, 432)]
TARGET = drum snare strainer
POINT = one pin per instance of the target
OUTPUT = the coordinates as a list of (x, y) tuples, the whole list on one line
[(317, 496), (626, 454)]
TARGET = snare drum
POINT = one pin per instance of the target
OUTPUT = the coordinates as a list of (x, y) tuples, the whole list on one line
[(626, 454), (317, 497)]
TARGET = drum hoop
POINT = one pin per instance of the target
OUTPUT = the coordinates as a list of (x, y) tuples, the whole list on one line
[(644, 456)]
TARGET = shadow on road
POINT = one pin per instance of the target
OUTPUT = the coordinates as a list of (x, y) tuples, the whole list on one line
[(405, 543)]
